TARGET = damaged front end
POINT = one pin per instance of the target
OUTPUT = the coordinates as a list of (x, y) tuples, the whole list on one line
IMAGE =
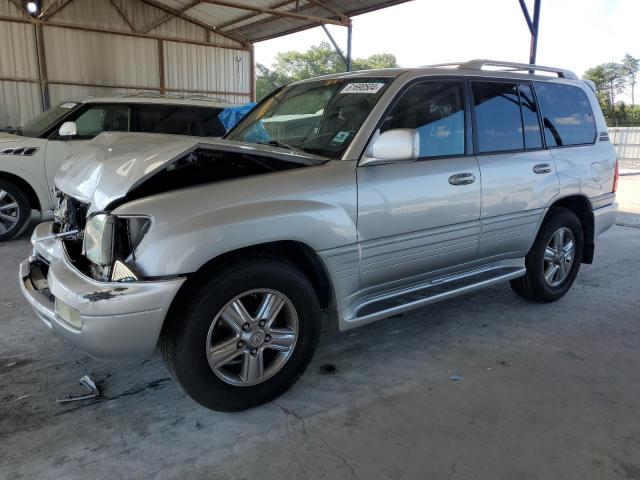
[(82, 279)]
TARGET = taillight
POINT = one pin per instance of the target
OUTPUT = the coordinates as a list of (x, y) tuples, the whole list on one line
[(616, 175)]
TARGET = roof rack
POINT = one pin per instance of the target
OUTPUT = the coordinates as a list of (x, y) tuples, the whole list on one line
[(478, 64), (174, 96)]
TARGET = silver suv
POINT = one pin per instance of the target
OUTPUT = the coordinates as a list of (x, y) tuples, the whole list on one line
[(364, 195)]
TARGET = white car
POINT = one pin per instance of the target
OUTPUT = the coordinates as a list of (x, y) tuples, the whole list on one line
[(31, 156)]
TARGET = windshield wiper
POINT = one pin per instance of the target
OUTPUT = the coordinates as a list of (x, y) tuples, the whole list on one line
[(278, 143)]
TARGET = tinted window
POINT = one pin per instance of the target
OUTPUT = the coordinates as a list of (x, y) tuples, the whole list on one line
[(532, 134), (436, 111), (499, 125), (566, 114), (177, 120), (102, 118)]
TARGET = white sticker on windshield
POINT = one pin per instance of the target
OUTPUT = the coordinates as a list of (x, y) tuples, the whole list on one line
[(68, 105), (362, 88), (340, 137)]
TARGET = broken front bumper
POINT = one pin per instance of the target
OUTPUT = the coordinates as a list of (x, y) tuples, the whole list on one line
[(106, 320)]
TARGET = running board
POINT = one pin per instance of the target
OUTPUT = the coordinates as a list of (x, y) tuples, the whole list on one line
[(388, 304)]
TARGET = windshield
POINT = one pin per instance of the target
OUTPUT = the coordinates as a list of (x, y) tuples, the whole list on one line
[(45, 120), (320, 117)]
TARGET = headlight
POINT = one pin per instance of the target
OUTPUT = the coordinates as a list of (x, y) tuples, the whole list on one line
[(110, 241), (97, 245)]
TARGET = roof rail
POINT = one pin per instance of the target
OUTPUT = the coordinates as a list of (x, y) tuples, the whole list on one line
[(174, 96), (516, 67)]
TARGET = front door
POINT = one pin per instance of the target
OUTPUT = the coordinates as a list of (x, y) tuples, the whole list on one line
[(519, 176), (421, 218)]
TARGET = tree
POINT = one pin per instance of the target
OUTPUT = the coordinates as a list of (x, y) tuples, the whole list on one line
[(320, 59), (630, 67), (610, 79)]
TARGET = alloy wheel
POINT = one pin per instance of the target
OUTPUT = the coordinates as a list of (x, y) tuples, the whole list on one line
[(252, 337), (559, 256)]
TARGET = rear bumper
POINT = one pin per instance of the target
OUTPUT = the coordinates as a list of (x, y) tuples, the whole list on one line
[(604, 218), (110, 320)]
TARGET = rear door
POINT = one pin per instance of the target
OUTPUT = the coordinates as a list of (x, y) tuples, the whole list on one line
[(421, 218), (519, 176)]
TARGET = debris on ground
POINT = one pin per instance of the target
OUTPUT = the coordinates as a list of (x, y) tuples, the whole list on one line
[(23, 397), (89, 384), (197, 426), (12, 364), (455, 378)]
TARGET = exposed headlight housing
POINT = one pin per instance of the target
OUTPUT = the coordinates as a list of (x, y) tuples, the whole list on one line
[(109, 243), (97, 245)]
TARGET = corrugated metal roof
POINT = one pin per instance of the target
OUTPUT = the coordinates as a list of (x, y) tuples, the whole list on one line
[(254, 26)]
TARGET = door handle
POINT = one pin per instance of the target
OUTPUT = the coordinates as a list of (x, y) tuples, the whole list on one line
[(542, 168), (462, 179)]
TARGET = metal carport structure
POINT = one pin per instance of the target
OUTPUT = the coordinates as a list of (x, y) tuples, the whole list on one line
[(66, 48)]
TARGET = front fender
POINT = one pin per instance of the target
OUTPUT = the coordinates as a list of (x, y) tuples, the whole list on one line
[(315, 206)]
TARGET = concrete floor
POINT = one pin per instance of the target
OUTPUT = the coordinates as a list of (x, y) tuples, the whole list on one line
[(548, 391)]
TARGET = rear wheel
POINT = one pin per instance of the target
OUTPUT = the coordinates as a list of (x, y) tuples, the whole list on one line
[(246, 336), (554, 260), (15, 210)]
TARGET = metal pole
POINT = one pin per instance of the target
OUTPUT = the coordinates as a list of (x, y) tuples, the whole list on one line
[(335, 45), (534, 35), (349, 35)]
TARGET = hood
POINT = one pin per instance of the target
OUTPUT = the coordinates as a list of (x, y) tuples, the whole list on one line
[(10, 137), (113, 164)]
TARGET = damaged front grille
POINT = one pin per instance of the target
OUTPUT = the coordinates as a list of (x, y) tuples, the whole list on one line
[(70, 214)]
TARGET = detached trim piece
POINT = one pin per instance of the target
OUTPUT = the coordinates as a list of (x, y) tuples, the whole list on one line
[(23, 151)]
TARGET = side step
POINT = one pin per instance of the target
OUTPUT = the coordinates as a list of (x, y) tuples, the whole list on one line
[(387, 304)]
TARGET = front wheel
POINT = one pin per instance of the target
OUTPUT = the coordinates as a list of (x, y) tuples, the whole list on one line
[(248, 334), (554, 260)]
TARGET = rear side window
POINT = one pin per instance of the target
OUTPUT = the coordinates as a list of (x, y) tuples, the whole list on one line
[(498, 120), (177, 120), (436, 110), (506, 117), (566, 115)]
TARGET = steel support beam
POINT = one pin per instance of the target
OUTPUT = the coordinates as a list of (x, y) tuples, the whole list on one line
[(42, 68), (533, 25), (169, 16), (349, 55), (271, 11), (126, 33), (123, 15), (335, 45), (187, 18), (161, 74)]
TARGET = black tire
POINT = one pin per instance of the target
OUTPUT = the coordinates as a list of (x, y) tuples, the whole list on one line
[(184, 337), (533, 285), (23, 211)]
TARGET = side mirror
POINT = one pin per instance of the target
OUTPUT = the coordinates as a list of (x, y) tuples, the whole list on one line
[(397, 145), (68, 130)]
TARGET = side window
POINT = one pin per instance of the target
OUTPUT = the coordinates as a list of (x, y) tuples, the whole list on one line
[(161, 119), (436, 110), (204, 122), (532, 134), (498, 120), (102, 118), (566, 114)]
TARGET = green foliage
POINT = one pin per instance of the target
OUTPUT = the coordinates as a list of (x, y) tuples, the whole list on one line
[(612, 79), (320, 59)]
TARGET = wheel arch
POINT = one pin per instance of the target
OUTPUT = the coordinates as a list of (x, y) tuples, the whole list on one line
[(581, 207), (25, 186), (298, 253)]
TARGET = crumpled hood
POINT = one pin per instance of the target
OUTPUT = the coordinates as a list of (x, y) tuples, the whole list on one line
[(115, 163)]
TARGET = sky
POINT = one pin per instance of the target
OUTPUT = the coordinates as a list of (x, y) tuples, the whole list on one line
[(574, 34)]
